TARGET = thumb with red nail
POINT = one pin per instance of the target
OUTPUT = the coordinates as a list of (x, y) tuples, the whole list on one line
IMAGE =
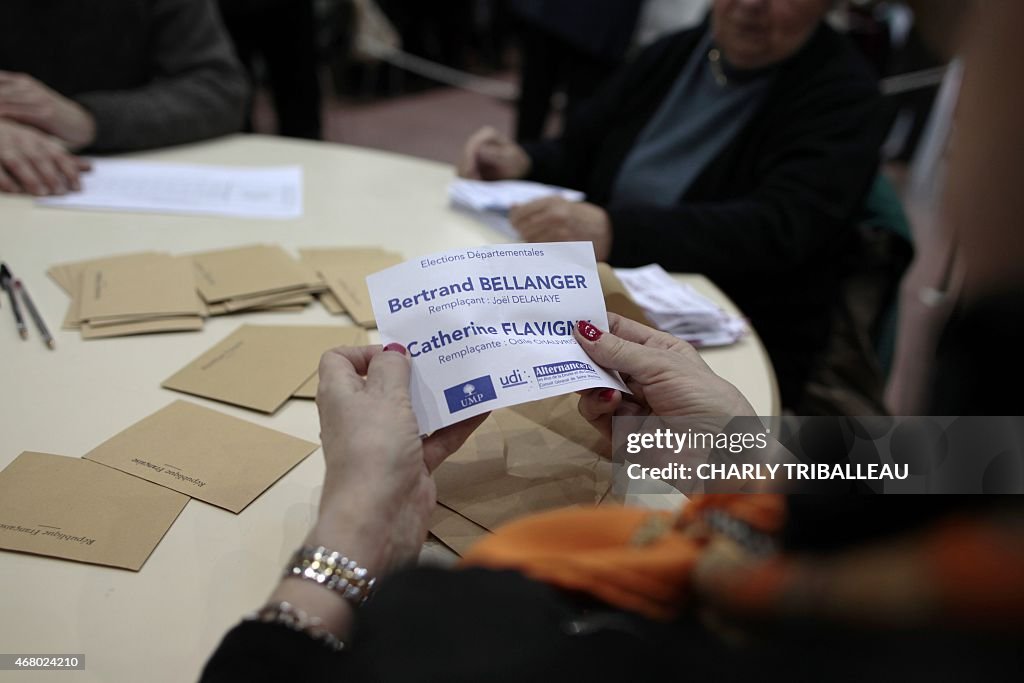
[(666, 375)]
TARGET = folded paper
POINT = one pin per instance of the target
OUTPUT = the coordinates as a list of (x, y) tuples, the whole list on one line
[(492, 326), (192, 189)]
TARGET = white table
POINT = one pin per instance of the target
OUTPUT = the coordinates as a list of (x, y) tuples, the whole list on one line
[(162, 623)]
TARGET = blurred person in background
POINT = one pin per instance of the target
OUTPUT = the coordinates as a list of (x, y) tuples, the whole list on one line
[(108, 77), (564, 48), (563, 51), (741, 149), (280, 37)]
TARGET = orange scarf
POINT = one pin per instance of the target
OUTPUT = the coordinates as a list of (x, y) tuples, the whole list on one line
[(966, 572), (636, 559)]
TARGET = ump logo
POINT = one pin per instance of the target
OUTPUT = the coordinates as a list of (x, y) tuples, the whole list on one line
[(469, 394)]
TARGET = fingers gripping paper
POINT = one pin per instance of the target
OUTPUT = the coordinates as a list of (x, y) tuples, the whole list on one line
[(492, 326)]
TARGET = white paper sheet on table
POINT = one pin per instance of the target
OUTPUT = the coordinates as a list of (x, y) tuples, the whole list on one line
[(490, 201), (157, 187), (490, 327), (679, 309)]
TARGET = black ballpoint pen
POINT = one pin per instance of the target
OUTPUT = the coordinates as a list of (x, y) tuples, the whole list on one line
[(36, 317), (5, 282)]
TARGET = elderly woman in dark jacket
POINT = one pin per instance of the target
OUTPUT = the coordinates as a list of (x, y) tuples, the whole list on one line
[(740, 149)]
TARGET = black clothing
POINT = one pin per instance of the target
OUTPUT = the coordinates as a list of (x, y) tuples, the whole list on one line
[(603, 31), (548, 63), (152, 72), (764, 220), (980, 363), (562, 47), (439, 626), (283, 34)]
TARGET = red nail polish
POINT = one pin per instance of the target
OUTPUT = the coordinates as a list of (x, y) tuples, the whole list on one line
[(395, 346), (606, 394), (589, 332)]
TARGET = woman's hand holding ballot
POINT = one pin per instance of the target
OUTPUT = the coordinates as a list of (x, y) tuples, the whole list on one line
[(378, 494), (666, 375)]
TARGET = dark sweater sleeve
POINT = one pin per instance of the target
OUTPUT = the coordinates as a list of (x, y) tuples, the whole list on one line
[(198, 89), (812, 173), (255, 652), (567, 160)]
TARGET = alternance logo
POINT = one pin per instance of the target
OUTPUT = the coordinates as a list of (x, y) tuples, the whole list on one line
[(564, 368), (469, 394)]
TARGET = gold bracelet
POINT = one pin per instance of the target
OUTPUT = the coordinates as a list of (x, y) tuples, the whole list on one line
[(285, 614), (332, 570)]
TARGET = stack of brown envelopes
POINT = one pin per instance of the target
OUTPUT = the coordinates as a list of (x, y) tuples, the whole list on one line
[(148, 292), (255, 277), (344, 270), (130, 294)]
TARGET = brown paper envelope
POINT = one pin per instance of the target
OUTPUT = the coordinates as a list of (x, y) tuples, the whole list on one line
[(135, 289), (99, 325), (454, 530), (617, 298), (248, 303), (78, 510), (514, 466), (290, 308), (308, 390), (59, 275), (348, 284), (247, 271), (561, 415), (180, 324), (72, 320), (203, 308), (331, 303), (216, 309), (70, 274), (67, 273), (204, 454), (337, 257), (258, 366), (277, 309)]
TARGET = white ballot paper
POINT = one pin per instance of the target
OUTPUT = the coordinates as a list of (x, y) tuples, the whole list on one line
[(490, 201), (489, 327), (156, 187), (679, 309)]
